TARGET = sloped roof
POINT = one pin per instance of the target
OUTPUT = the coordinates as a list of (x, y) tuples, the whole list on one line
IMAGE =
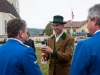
[(75, 24), (6, 7)]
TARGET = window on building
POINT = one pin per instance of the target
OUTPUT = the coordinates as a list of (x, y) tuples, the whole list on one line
[(83, 30), (68, 31), (5, 26), (74, 30)]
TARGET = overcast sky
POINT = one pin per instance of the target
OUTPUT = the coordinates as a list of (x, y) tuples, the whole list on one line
[(38, 13)]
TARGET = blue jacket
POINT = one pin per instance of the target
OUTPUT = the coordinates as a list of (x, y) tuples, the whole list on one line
[(18, 59), (86, 60)]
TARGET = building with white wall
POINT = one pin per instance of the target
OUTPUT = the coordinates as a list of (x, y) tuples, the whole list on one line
[(8, 9)]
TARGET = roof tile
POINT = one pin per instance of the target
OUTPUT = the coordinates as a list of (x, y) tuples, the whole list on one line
[(75, 24), (5, 6)]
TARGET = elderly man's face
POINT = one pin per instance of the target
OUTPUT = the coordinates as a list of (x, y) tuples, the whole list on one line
[(90, 26)]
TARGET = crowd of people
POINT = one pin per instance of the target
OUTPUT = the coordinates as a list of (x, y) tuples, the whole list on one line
[(18, 57)]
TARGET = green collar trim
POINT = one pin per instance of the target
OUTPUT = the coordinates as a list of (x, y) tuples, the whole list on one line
[(53, 37), (63, 36)]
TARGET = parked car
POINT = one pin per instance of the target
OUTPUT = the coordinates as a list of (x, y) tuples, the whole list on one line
[(75, 39), (82, 38)]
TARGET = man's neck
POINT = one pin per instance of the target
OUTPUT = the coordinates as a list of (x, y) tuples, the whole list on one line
[(58, 34)]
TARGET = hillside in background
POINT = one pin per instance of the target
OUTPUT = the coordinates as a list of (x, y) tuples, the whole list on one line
[(35, 31)]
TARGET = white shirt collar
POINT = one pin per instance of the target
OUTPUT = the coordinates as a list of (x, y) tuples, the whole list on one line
[(16, 40), (97, 31), (57, 37)]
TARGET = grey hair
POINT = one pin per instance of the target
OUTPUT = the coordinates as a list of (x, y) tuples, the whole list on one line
[(94, 12), (14, 26)]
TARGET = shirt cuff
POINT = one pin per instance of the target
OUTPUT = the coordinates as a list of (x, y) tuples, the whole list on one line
[(54, 55)]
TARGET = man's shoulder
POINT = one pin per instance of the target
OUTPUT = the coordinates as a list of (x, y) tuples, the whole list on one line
[(66, 36), (87, 42), (23, 45)]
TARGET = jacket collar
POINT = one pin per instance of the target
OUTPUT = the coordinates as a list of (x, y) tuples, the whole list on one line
[(97, 33), (63, 36), (16, 40)]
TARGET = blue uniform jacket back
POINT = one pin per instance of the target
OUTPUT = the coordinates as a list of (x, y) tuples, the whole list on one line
[(18, 59), (86, 59)]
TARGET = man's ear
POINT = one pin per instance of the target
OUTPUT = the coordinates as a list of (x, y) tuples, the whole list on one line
[(95, 21), (21, 33)]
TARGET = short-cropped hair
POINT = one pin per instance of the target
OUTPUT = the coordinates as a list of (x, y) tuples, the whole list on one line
[(14, 26)]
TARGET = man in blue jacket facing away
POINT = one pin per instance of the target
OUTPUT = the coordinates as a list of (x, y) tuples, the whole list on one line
[(15, 57), (86, 59)]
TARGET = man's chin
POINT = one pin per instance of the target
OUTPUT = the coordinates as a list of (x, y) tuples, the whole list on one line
[(56, 31)]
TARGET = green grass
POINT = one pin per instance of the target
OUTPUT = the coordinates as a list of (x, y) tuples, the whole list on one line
[(44, 68)]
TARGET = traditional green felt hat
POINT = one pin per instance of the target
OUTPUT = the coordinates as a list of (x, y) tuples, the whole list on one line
[(58, 19)]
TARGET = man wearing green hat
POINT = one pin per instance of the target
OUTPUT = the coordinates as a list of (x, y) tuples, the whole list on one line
[(59, 49)]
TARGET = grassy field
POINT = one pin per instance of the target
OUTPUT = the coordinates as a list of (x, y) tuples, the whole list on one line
[(44, 68)]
